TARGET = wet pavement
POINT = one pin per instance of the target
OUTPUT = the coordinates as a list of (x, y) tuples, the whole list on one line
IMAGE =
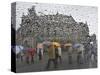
[(41, 65)]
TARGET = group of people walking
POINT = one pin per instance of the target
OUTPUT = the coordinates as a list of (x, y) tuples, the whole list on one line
[(28, 54), (35, 51), (54, 54)]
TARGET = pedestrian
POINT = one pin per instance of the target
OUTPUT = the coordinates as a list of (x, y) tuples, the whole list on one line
[(80, 54), (70, 54), (30, 55), (92, 54), (21, 56), (59, 54), (40, 51), (27, 56), (40, 54), (51, 57), (56, 53)]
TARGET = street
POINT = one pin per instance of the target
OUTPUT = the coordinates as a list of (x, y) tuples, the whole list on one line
[(41, 65)]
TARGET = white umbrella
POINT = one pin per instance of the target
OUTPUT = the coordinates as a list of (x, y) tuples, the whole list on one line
[(77, 45), (46, 43), (19, 49), (80, 47)]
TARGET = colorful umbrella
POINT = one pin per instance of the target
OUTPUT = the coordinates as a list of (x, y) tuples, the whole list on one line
[(77, 45), (40, 45), (68, 44), (56, 44)]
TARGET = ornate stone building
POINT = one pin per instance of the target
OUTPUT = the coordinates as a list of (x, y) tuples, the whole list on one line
[(38, 28)]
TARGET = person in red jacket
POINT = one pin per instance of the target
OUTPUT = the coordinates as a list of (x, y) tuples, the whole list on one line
[(30, 55)]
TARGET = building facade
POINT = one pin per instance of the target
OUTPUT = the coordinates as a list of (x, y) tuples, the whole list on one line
[(36, 28)]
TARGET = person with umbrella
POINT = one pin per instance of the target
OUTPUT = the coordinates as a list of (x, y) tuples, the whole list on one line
[(19, 52), (40, 51), (51, 56), (57, 51), (70, 49), (80, 52), (60, 54), (30, 55)]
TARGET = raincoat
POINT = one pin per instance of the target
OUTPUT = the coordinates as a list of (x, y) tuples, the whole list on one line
[(51, 53)]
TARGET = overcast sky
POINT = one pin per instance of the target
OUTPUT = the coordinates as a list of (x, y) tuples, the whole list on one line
[(79, 13)]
